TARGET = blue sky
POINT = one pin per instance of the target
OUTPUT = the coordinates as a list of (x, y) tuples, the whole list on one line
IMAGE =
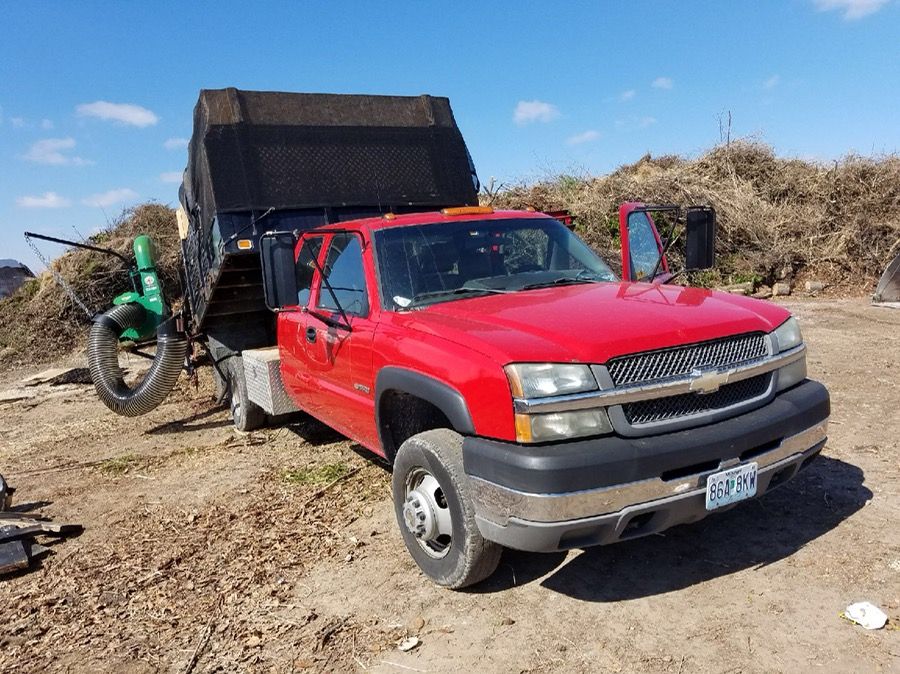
[(96, 98)]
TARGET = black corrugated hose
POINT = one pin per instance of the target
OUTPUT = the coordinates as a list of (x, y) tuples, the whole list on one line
[(103, 359)]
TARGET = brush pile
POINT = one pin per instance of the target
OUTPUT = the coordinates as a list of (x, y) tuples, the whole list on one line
[(778, 218)]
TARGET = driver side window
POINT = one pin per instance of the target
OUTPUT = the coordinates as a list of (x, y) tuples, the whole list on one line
[(344, 271)]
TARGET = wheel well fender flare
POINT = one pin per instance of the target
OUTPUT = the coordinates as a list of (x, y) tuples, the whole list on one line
[(444, 397)]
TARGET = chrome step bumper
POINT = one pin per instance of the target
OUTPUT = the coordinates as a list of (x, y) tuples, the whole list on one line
[(498, 503)]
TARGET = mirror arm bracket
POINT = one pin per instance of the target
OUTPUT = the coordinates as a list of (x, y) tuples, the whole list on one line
[(672, 239)]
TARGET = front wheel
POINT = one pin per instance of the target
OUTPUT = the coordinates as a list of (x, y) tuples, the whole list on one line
[(435, 513)]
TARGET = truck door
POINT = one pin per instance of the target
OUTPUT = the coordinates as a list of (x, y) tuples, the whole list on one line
[(292, 326), (339, 359), (642, 246)]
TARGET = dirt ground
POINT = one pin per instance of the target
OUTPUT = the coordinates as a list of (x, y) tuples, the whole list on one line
[(225, 552)]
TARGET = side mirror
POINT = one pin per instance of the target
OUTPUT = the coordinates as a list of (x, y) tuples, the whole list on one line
[(700, 238), (279, 270)]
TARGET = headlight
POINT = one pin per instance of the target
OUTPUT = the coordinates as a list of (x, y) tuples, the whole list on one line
[(787, 335), (539, 380), (561, 425)]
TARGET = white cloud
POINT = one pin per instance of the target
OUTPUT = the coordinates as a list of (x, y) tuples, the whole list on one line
[(534, 111), (46, 200), (644, 122), (124, 113), (24, 123), (627, 95), (585, 137), (171, 177), (49, 151), (662, 83), (176, 143), (772, 82), (54, 151), (852, 9), (110, 197)]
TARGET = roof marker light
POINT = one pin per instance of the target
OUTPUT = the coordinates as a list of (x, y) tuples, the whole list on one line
[(467, 210)]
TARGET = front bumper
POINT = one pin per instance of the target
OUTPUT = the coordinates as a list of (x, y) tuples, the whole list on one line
[(603, 490)]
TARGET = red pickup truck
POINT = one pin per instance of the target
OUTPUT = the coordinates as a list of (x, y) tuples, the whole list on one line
[(336, 261), (525, 395)]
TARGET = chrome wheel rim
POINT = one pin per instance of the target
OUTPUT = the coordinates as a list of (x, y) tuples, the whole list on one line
[(235, 402), (426, 514)]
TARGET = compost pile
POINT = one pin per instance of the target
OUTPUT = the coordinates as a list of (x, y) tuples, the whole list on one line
[(41, 322), (779, 219)]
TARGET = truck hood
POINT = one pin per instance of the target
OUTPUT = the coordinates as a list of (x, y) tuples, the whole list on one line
[(591, 323)]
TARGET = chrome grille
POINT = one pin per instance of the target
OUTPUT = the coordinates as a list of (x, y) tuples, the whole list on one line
[(689, 404), (681, 360)]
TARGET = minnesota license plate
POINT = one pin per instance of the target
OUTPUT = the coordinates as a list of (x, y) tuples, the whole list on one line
[(730, 486)]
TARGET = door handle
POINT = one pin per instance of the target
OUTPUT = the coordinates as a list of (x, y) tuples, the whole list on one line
[(310, 335)]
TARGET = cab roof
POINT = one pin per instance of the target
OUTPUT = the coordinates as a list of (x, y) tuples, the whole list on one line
[(428, 218)]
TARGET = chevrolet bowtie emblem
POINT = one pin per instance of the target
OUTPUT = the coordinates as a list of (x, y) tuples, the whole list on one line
[(707, 381)]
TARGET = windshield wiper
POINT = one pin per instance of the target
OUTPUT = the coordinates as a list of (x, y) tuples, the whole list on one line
[(455, 291), (565, 280)]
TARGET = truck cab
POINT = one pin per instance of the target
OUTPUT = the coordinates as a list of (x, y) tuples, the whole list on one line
[(526, 396)]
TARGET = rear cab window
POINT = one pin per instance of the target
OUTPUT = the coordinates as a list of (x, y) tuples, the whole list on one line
[(306, 268)]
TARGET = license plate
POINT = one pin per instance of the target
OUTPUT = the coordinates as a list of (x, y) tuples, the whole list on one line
[(730, 486)]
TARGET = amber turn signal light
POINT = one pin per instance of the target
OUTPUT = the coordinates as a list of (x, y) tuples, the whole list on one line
[(467, 210)]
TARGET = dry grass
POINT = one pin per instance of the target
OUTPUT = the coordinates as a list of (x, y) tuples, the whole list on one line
[(839, 222)]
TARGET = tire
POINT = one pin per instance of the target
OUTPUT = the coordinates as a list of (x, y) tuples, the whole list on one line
[(246, 415), (433, 460), (221, 383)]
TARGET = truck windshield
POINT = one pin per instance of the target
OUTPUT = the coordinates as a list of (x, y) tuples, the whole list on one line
[(425, 264)]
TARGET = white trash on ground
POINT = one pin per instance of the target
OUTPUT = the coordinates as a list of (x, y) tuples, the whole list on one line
[(865, 614), (408, 644)]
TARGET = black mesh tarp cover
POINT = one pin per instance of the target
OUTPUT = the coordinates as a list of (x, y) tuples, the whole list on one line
[(254, 150)]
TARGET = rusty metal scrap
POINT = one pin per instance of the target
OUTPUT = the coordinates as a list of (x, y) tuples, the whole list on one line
[(18, 531)]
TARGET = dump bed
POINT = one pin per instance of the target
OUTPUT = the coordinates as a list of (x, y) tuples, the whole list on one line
[(311, 159)]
